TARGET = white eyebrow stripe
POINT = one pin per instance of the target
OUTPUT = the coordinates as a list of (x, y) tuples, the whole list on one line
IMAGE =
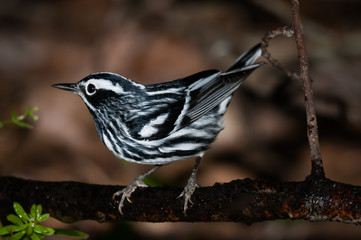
[(107, 85)]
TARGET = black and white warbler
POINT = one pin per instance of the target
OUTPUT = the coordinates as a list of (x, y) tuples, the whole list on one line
[(161, 123)]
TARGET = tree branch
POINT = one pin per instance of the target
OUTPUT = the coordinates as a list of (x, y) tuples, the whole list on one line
[(247, 201), (312, 128)]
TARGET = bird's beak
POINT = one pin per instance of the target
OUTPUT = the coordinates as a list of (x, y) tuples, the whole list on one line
[(72, 87)]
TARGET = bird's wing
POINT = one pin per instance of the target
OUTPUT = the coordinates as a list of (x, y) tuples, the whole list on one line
[(174, 105), (164, 107), (207, 93)]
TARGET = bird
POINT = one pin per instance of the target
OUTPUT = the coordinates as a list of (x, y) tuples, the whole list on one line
[(160, 123)]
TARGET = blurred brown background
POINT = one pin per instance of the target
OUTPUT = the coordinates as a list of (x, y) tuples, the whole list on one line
[(47, 42)]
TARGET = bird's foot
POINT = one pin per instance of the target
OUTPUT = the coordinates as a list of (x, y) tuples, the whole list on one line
[(188, 192), (127, 192)]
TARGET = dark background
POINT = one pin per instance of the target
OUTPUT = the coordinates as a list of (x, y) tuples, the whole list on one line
[(47, 42)]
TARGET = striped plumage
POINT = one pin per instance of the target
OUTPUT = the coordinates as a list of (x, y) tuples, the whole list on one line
[(161, 123), (151, 125)]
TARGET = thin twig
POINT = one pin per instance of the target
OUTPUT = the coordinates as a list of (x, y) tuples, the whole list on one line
[(312, 129), (281, 31)]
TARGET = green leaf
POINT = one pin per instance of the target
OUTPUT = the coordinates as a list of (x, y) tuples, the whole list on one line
[(43, 217), (30, 230), (14, 219), (18, 236), (36, 236), (6, 230), (33, 211), (51, 231), (43, 230), (71, 233), (14, 117), (39, 210), (20, 211), (22, 124), (12, 229), (31, 113)]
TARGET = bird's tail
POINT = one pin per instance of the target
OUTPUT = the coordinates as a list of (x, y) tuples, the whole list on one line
[(246, 58)]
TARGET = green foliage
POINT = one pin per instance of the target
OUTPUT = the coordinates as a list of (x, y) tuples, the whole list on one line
[(19, 119), (25, 225)]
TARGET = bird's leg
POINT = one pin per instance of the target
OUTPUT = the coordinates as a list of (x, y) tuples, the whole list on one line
[(127, 191), (191, 186)]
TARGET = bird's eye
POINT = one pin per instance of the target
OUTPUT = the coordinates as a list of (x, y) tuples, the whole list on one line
[(91, 89)]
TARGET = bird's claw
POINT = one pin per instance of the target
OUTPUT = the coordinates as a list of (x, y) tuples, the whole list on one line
[(127, 192), (187, 194)]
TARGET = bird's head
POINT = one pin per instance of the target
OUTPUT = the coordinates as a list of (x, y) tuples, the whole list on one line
[(104, 90)]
